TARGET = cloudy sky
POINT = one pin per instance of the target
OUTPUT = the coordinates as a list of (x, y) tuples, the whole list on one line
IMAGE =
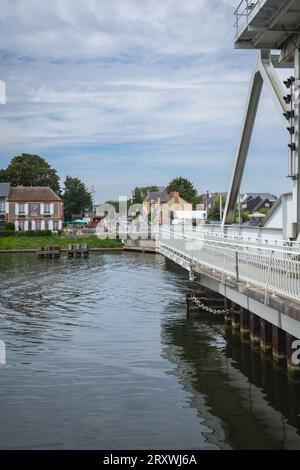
[(124, 93)]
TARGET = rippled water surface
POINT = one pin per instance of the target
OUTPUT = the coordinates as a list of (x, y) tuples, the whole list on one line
[(100, 355)]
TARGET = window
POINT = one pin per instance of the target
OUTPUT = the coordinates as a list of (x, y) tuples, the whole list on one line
[(21, 208), (38, 225), (2, 206), (47, 209), (55, 225), (46, 225), (34, 210)]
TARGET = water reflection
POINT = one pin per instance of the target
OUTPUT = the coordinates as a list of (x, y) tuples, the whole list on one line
[(100, 354), (248, 403)]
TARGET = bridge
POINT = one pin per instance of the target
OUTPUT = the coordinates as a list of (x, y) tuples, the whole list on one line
[(256, 270)]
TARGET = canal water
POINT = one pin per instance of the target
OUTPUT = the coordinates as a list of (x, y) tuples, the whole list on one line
[(100, 355)]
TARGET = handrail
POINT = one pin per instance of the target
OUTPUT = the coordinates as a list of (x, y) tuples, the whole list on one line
[(226, 242), (244, 9), (274, 269)]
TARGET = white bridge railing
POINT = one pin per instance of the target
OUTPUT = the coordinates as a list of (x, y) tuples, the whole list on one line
[(277, 269), (243, 12)]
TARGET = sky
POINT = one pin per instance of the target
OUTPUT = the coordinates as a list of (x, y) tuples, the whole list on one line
[(126, 93)]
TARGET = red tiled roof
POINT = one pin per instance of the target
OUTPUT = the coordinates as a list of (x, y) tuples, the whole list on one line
[(32, 194)]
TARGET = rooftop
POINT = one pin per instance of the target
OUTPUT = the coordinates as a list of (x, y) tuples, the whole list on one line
[(32, 194), (155, 195), (4, 189)]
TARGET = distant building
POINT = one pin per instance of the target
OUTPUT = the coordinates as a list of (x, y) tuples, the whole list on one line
[(4, 190), (166, 205), (34, 208), (155, 198), (253, 202), (173, 205)]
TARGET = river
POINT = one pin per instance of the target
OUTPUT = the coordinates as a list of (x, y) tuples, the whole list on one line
[(100, 355)]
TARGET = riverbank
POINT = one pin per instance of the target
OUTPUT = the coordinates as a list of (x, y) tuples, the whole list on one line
[(28, 244)]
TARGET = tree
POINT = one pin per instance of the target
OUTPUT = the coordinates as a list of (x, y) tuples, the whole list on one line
[(76, 197), (140, 193), (184, 187), (214, 212), (30, 170)]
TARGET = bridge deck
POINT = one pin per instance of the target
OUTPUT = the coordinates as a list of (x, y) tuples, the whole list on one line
[(277, 269), (264, 279), (266, 23)]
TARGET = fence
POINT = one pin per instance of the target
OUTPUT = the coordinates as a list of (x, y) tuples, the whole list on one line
[(275, 269)]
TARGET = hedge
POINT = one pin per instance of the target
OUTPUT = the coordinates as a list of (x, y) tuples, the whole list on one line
[(27, 233)]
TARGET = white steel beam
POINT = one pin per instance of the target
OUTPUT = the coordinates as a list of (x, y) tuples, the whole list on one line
[(264, 73), (296, 153), (248, 124)]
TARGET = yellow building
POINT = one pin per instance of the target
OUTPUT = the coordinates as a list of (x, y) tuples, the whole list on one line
[(165, 205)]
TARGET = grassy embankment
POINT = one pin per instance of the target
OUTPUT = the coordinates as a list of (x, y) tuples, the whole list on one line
[(19, 243)]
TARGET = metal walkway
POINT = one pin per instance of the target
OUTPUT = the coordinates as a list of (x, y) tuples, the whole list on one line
[(270, 266)]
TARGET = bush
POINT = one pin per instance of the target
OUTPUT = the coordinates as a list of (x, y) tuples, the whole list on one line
[(9, 226), (7, 233), (34, 233), (28, 233)]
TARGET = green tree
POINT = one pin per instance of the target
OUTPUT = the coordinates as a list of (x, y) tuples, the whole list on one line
[(184, 187), (30, 170), (214, 212), (139, 193), (76, 197)]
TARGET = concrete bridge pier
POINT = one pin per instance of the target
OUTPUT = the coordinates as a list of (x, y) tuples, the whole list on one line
[(254, 330), (245, 324), (265, 336), (279, 346), (235, 314)]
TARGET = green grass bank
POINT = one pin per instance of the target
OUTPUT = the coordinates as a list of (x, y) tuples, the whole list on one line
[(27, 243)]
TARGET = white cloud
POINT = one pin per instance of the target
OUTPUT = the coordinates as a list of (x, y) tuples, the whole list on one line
[(158, 76)]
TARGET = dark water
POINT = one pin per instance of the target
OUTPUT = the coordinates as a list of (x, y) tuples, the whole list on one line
[(100, 355)]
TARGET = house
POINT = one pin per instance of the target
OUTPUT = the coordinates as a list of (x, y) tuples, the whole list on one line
[(253, 202), (165, 206), (155, 199), (173, 205), (34, 208), (4, 190)]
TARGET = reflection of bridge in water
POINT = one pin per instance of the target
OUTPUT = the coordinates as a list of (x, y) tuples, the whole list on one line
[(258, 273), (229, 386)]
